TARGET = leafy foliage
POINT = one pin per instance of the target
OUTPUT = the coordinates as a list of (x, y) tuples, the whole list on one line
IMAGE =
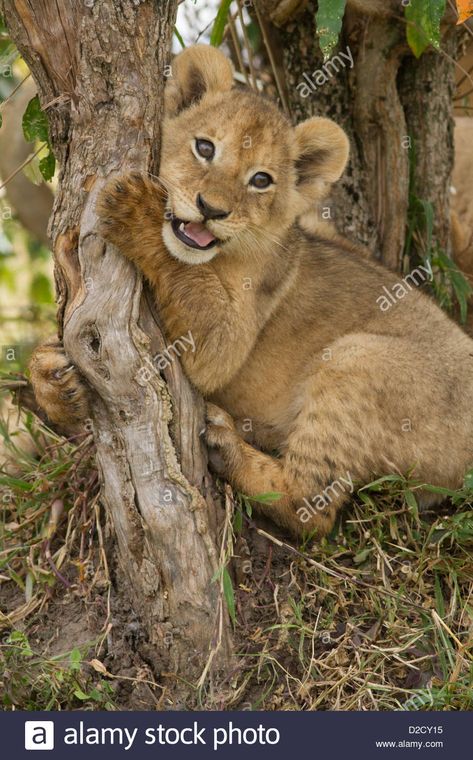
[(35, 122), (450, 280), (423, 24), (218, 28), (179, 38), (329, 19), (36, 127), (229, 595), (33, 682), (449, 285)]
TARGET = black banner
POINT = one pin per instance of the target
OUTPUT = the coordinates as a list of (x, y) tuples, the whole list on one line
[(174, 735)]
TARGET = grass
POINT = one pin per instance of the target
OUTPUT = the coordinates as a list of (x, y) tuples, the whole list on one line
[(51, 544), (35, 682), (49, 510), (378, 616)]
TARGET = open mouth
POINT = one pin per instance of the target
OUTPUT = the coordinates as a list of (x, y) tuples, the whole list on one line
[(193, 234)]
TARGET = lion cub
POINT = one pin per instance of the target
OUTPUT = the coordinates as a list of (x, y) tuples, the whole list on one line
[(290, 336)]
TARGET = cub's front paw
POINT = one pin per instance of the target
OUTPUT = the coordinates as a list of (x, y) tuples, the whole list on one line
[(58, 387), (126, 206)]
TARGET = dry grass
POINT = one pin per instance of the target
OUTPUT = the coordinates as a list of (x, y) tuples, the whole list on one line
[(378, 617)]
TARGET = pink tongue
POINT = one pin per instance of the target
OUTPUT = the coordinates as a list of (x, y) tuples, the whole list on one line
[(198, 233)]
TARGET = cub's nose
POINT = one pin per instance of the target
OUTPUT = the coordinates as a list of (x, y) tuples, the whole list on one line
[(210, 212)]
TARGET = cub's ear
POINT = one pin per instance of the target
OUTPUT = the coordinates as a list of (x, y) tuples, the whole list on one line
[(322, 150), (198, 70)]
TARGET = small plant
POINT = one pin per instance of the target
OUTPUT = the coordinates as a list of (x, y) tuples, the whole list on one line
[(33, 682), (449, 285)]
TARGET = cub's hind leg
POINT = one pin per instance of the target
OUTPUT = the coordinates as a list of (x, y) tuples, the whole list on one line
[(350, 428), (296, 477)]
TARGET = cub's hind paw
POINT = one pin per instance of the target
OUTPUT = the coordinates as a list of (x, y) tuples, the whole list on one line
[(220, 426), (221, 438), (58, 387)]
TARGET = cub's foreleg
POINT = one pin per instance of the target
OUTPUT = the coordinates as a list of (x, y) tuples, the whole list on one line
[(221, 326)]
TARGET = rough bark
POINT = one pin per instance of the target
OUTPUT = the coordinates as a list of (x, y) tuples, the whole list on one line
[(387, 97), (99, 68)]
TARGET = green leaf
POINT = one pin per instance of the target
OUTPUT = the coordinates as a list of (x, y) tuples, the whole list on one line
[(40, 289), (20, 641), (179, 37), (32, 172), (216, 35), (329, 19), (248, 507), (75, 659), (7, 278), (456, 278), (16, 483), (264, 498), (29, 584), (81, 695), (47, 166), (439, 600), (411, 502), (463, 291), (375, 485), (229, 595), (35, 122), (469, 479), (362, 556), (428, 211), (423, 24), (366, 499), (238, 521)]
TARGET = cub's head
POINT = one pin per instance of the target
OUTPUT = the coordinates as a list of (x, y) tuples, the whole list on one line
[(237, 174)]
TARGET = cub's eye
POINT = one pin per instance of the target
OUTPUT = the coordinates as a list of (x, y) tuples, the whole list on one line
[(261, 180), (205, 148)]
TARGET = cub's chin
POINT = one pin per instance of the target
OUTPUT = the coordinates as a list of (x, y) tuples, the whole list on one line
[(184, 252)]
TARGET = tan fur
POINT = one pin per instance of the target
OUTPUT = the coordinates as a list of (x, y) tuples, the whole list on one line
[(57, 387), (291, 348)]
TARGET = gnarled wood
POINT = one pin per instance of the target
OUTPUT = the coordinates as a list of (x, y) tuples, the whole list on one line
[(100, 72)]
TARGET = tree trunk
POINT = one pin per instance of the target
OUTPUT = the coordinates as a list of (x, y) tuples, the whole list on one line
[(100, 71), (387, 101)]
